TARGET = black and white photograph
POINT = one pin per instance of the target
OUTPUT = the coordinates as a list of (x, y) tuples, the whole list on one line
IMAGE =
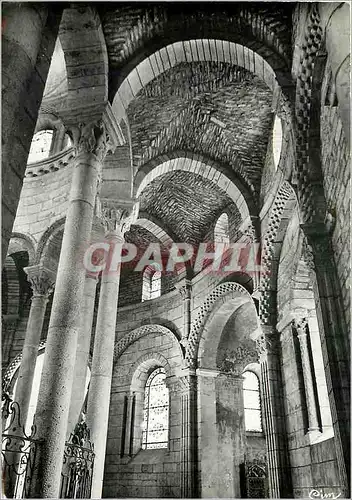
[(175, 284)]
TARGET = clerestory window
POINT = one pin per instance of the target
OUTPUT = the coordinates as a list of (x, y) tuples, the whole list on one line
[(151, 283), (40, 146)]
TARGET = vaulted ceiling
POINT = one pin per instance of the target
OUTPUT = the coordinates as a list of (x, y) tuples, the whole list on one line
[(214, 109)]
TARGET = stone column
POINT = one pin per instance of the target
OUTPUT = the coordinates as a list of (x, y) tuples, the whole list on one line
[(103, 353), (334, 341), (301, 327), (185, 287), (189, 445), (274, 413), (128, 444), (91, 139), (82, 353), (42, 281), (26, 56)]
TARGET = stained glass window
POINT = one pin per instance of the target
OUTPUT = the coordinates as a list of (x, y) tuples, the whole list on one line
[(40, 146), (156, 411), (151, 283), (251, 400)]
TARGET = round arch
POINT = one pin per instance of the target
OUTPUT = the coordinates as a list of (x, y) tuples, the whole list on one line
[(131, 337), (20, 242), (196, 165), (196, 50), (228, 297)]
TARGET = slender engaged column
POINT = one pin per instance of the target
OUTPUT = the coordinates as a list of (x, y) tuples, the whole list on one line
[(103, 353), (82, 353), (129, 424), (91, 144), (301, 328), (188, 469), (42, 281), (274, 414), (185, 287)]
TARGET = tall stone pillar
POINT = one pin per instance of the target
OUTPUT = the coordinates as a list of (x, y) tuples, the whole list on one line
[(82, 353), (103, 353), (26, 55), (91, 140), (301, 329), (42, 281), (334, 341), (274, 413), (189, 444)]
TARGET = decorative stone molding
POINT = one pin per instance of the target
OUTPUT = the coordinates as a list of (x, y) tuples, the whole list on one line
[(122, 344), (198, 323), (41, 279), (51, 164), (267, 343), (266, 303)]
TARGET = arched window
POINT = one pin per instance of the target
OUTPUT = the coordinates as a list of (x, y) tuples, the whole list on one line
[(277, 140), (251, 402), (156, 411), (151, 283), (221, 230), (41, 146)]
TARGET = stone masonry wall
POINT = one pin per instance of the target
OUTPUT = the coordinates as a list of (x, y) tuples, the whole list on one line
[(335, 161)]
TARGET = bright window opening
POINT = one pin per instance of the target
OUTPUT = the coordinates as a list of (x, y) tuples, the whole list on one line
[(151, 283), (277, 141), (221, 230), (41, 145), (156, 411), (251, 400)]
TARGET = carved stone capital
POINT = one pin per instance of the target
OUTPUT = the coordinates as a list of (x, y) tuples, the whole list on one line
[(184, 287), (118, 218), (41, 279), (93, 129), (267, 343), (301, 326)]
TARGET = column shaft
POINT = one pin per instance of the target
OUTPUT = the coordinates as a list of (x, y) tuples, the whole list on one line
[(188, 469), (29, 354), (60, 354), (82, 353), (308, 383), (101, 374), (274, 415)]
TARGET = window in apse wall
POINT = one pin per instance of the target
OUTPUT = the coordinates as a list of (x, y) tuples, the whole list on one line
[(251, 402), (277, 141), (156, 411), (40, 146), (151, 283)]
